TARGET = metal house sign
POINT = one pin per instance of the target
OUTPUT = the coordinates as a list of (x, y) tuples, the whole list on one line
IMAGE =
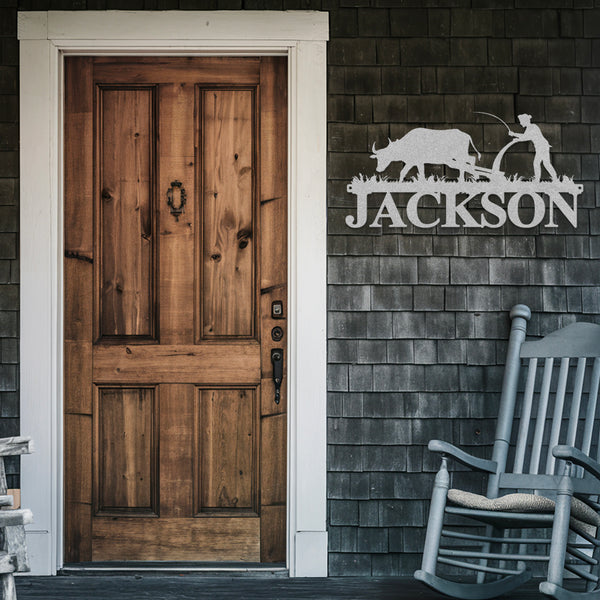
[(480, 198)]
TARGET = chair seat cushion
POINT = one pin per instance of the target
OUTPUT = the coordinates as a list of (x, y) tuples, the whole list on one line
[(524, 503)]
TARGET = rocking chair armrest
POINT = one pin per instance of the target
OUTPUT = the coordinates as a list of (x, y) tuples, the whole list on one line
[(13, 446), (577, 457), (479, 464)]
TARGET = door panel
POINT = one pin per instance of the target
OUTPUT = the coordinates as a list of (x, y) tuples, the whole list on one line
[(227, 454), (227, 282), (126, 237), (125, 451), (175, 250)]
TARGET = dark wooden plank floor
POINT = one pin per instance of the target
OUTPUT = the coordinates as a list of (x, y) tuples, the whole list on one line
[(194, 586)]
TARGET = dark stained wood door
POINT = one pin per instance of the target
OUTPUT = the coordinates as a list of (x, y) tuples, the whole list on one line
[(175, 225)]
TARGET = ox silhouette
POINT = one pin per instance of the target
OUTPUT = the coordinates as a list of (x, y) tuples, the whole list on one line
[(423, 146)]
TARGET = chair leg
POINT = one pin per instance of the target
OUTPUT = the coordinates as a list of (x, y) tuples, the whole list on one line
[(436, 519), (553, 587), (560, 532)]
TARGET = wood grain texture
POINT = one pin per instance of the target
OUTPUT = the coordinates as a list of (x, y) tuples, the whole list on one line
[(126, 232), (273, 171), (78, 458), (176, 450), (273, 472), (273, 284), (177, 236), (178, 539), (78, 277), (227, 289), (78, 390), (211, 363), (268, 406), (272, 533), (78, 528), (78, 487), (125, 450), (184, 419), (227, 433), (189, 70), (78, 305), (79, 152)]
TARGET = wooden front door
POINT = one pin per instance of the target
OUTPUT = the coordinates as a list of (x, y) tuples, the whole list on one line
[(175, 273)]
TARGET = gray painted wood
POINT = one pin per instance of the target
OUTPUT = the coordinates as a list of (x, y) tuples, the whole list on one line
[(577, 339), (557, 417)]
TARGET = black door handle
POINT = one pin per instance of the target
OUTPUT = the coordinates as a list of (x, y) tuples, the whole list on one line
[(277, 360)]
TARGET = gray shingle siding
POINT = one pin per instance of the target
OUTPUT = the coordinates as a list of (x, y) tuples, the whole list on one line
[(448, 291), (9, 239)]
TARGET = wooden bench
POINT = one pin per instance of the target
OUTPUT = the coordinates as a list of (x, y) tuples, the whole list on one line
[(13, 549)]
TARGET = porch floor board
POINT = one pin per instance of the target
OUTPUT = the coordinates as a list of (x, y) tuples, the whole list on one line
[(194, 586)]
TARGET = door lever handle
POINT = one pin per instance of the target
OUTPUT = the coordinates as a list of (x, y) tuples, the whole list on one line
[(277, 360)]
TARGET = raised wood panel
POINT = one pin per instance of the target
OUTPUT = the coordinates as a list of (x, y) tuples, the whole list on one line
[(209, 364), (176, 450), (126, 231), (227, 292), (227, 450), (188, 70), (176, 162), (220, 539), (125, 450)]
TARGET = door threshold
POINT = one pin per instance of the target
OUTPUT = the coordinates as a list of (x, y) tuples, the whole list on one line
[(230, 569)]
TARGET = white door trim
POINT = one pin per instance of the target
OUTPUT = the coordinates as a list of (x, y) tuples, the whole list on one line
[(44, 39)]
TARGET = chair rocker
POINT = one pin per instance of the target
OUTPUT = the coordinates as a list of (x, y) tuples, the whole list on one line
[(542, 505)]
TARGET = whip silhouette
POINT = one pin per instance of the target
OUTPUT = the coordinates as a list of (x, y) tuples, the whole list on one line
[(495, 117)]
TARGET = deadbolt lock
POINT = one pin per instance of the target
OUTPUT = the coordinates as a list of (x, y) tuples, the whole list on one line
[(276, 333)]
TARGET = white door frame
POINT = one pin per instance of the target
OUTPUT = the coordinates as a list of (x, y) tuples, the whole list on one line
[(45, 37)]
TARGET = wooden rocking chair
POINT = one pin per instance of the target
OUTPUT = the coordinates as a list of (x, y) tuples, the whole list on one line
[(543, 487)]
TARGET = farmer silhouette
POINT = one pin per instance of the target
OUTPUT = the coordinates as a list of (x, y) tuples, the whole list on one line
[(541, 146)]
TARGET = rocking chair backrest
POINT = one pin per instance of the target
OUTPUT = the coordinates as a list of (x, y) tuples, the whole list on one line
[(557, 402)]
